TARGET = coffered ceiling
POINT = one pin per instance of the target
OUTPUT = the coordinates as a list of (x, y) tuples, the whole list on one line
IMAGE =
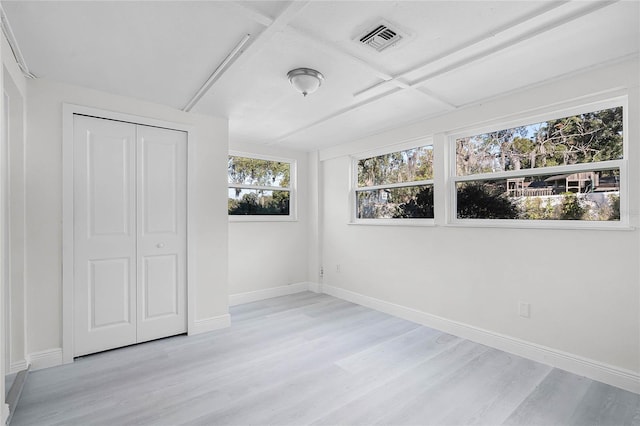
[(451, 54)]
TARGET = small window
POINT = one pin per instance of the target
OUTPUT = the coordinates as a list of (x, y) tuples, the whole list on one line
[(260, 187), (569, 168), (398, 185)]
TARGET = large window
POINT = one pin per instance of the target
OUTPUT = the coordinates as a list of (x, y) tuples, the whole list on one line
[(397, 185), (260, 187), (570, 168)]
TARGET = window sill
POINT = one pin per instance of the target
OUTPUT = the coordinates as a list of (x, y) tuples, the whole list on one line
[(260, 218), (555, 225), (394, 222)]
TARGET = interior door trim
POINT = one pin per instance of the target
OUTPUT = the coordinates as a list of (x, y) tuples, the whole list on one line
[(68, 112)]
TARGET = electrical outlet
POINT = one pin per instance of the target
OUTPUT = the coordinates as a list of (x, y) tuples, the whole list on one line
[(524, 309)]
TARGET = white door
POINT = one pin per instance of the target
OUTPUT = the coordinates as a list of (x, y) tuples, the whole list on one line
[(162, 183), (104, 234), (129, 183)]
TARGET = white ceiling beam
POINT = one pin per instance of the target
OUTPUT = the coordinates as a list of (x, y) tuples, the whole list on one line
[(421, 90), (389, 82), (240, 56), (278, 24), (247, 12), (337, 113), (474, 45), (13, 44), (590, 8), (445, 103), (217, 73)]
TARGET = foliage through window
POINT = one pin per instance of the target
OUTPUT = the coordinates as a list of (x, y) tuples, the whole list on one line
[(561, 169), (259, 187), (395, 185)]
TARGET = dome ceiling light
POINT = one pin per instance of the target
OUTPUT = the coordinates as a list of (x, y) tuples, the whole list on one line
[(305, 80)]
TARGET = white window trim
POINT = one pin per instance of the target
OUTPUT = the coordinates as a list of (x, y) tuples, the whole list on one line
[(292, 188), (353, 199), (622, 165), (394, 185)]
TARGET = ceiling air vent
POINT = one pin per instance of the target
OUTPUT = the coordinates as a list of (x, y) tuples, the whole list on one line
[(380, 37)]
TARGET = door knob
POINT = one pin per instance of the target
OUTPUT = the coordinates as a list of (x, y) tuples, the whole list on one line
[(160, 245)]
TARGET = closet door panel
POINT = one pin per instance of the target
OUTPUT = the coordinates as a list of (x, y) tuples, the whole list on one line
[(104, 234), (160, 281), (109, 288), (162, 184)]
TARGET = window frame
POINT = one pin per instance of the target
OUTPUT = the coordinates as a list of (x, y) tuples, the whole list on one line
[(621, 165), (292, 189), (389, 149)]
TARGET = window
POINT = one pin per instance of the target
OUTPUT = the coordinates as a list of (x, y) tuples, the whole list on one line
[(565, 169), (261, 187), (398, 185)]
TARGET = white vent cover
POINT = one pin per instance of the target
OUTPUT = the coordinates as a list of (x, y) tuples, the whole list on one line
[(380, 37)]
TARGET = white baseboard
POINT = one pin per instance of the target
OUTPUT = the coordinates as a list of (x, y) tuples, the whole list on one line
[(210, 324), (45, 359), (17, 366), (267, 293), (625, 379)]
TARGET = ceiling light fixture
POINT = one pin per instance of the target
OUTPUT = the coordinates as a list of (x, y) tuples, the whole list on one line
[(305, 80)]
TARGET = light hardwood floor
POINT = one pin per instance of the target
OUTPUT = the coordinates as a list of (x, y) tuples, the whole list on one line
[(313, 359)]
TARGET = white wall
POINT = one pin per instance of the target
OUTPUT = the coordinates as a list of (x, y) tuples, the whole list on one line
[(44, 204), (583, 285), (12, 303), (15, 87), (265, 255), (4, 408)]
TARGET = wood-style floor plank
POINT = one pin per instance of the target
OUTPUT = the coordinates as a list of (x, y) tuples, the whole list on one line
[(309, 359)]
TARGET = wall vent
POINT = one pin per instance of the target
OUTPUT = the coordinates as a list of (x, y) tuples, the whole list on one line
[(380, 37)]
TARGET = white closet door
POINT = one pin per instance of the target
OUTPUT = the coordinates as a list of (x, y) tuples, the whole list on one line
[(162, 229), (104, 234), (130, 184)]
